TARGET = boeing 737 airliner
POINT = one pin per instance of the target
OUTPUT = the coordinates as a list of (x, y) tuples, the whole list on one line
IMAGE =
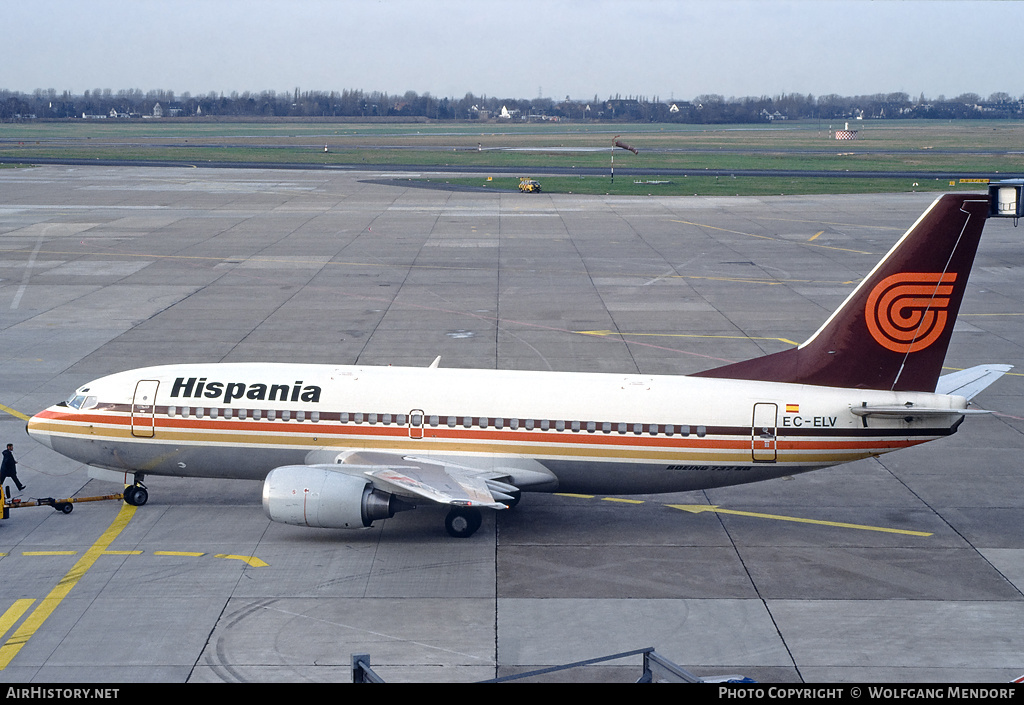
[(343, 446)]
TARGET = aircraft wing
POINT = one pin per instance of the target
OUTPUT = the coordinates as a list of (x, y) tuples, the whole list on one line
[(970, 382), (436, 482), (410, 476)]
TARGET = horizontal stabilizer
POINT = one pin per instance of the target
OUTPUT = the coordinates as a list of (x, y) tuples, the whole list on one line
[(972, 381), (909, 410)]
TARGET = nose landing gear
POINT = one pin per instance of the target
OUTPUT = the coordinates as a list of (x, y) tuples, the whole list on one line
[(136, 495)]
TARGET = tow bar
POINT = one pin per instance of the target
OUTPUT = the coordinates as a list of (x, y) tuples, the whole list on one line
[(65, 506)]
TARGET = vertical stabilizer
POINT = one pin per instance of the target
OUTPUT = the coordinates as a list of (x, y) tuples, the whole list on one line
[(893, 330)]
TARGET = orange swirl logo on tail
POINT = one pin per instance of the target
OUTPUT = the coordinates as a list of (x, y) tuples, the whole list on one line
[(907, 312)]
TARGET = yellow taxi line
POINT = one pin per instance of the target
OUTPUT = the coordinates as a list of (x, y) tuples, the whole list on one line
[(50, 603)]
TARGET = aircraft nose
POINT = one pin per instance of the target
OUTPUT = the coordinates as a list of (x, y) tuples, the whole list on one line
[(33, 429)]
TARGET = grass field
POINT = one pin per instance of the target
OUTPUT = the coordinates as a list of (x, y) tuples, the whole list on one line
[(927, 148), (715, 186)]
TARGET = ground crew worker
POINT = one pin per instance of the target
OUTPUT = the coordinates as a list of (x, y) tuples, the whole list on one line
[(9, 468)]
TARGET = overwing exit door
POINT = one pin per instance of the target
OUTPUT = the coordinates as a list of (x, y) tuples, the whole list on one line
[(416, 423)]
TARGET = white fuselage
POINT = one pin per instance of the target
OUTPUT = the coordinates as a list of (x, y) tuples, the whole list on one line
[(574, 432)]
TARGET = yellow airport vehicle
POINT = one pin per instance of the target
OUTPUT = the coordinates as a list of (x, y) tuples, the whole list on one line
[(528, 185)]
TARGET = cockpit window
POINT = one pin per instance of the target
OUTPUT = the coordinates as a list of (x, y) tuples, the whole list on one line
[(82, 402)]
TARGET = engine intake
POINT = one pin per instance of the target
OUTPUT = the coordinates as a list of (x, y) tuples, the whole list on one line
[(320, 496)]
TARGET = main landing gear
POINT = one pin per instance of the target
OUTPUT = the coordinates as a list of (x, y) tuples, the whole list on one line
[(462, 522)]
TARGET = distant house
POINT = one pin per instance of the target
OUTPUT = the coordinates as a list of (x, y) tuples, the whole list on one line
[(158, 112)]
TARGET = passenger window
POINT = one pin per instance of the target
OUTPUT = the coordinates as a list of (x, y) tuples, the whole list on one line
[(285, 415), (559, 425), (315, 416), (701, 431), (622, 428), (171, 410), (300, 416), (545, 425), (271, 414), (638, 428), (256, 414)]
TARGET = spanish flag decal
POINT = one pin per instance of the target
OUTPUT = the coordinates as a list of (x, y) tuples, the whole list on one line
[(792, 408)]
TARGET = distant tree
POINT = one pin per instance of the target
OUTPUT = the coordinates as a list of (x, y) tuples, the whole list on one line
[(968, 98)]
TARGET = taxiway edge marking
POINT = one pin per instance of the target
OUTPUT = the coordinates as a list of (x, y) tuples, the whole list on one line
[(697, 508), (9, 618)]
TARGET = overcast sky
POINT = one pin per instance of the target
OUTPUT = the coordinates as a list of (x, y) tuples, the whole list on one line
[(517, 49)]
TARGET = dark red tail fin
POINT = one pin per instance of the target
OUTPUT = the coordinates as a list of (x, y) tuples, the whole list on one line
[(893, 330)]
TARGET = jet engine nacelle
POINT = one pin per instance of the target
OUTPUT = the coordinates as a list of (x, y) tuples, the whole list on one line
[(319, 496)]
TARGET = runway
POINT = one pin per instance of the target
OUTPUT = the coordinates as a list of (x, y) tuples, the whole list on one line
[(905, 568)]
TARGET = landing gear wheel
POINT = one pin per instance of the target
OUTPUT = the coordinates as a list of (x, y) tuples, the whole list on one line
[(136, 495), (463, 522)]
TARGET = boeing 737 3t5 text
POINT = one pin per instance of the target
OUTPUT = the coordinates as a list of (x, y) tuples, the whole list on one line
[(343, 446)]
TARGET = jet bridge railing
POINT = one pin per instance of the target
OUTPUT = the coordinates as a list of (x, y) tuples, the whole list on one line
[(656, 669), (361, 671)]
